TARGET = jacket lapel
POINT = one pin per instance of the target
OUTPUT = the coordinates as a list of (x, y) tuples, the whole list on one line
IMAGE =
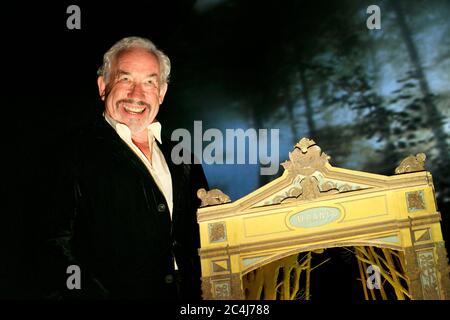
[(121, 149)]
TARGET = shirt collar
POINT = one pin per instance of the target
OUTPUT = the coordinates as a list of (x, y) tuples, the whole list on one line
[(154, 129)]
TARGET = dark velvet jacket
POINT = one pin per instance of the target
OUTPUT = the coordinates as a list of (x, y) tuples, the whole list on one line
[(109, 218)]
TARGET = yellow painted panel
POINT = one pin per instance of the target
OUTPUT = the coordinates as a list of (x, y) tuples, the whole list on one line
[(436, 232), (265, 225), (365, 209)]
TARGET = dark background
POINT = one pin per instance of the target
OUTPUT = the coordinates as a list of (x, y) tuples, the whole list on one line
[(308, 68)]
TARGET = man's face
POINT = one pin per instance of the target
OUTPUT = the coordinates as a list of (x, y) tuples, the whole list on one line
[(134, 91)]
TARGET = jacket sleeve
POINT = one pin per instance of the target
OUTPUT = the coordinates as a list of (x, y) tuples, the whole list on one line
[(55, 253)]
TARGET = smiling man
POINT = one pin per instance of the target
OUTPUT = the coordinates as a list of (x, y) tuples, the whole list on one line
[(122, 211), (134, 85)]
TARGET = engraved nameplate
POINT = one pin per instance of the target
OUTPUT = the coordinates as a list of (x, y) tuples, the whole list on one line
[(314, 217)]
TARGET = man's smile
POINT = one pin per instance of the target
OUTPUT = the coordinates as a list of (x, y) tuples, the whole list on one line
[(132, 107)]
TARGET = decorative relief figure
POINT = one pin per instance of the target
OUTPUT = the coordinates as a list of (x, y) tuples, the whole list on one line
[(222, 290), (412, 164), (212, 197), (443, 268), (428, 275), (415, 201), (310, 189), (217, 232)]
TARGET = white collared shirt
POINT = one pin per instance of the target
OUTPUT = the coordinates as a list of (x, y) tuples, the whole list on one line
[(158, 167)]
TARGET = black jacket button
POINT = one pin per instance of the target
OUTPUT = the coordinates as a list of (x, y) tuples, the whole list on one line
[(168, 279), (161, 207)]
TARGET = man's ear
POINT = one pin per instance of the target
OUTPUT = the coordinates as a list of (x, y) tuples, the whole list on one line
[(162, 92), (101, 87)]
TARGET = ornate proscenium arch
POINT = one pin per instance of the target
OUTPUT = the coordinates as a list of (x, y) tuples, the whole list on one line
[(390, 221)]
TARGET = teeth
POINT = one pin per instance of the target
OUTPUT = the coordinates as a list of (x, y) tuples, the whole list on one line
[(136, 110)]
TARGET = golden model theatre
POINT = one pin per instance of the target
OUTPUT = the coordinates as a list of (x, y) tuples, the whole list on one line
[(263, 245)]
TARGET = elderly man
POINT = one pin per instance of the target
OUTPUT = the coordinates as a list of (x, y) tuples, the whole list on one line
[(123, 213)]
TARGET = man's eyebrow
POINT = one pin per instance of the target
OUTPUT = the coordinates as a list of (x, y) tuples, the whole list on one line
[(122, 72)]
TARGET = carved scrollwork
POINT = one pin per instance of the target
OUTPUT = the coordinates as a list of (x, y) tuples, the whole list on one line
[(305, 168), (412, 164), (306, 158), (310, 189)]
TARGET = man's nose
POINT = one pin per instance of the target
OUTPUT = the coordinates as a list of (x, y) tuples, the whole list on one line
[(136, 92)]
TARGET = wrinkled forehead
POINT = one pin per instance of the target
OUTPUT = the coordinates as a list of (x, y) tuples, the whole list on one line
[(136, 60)]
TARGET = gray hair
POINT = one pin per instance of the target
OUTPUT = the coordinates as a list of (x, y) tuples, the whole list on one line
[(135, 42)]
